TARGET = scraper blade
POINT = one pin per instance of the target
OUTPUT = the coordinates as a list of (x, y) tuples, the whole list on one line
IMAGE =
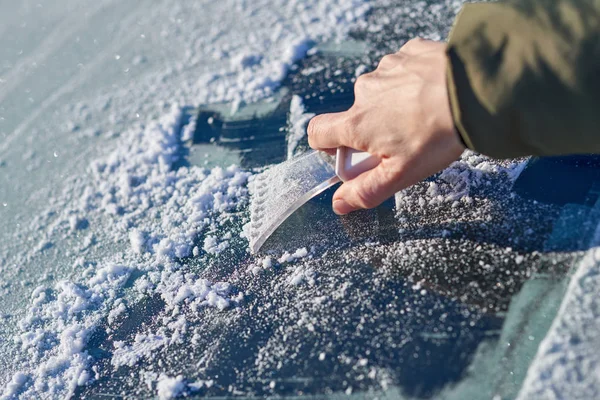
[(283, 188)]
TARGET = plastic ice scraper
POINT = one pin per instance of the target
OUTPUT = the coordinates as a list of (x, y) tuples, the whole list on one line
[(283, 188)]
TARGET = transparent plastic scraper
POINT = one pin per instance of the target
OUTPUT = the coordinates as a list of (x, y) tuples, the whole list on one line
[(283, 188)]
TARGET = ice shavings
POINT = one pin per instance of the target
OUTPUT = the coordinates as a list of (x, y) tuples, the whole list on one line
[(14, 386), (169, 388), (117, 311), (297, 121), (59, 324), (187, 133), (181, 293), (139, 182), (287, 257), (158, 212), (455, 184), (302, 274), (212, 245), (143, 345), (138, 241), (179, 289)]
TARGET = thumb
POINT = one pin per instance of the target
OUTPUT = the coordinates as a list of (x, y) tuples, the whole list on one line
[(368, 190), (328, 131)]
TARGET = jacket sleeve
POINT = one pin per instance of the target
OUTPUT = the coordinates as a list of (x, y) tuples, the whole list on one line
[(524, 77)]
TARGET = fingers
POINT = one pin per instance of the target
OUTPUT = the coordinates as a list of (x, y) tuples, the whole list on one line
[(367, 190), (327, 131)]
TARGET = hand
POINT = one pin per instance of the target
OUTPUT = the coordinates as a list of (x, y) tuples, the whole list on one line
[(401, 114)]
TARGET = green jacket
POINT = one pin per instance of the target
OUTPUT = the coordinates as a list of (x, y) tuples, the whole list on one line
[(524, 77)]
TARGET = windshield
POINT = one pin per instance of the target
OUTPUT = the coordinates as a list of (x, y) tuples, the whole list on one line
[(129, 133)]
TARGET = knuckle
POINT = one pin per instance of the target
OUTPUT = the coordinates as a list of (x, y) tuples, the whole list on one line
[(362, 83), (412, 43), (386, 61)]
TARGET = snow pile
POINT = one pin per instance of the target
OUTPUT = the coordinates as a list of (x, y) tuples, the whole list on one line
[(455, 184), (169, 388), (136, 182), (160, 213), (59, 324), (298, 120)]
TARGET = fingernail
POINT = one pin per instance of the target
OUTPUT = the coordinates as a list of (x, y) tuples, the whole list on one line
[(340, 207)]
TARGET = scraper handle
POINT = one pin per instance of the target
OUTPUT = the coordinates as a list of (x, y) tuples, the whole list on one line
[(349, 163)]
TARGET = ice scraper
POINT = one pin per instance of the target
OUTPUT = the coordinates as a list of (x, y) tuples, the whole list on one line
[(283, 188)]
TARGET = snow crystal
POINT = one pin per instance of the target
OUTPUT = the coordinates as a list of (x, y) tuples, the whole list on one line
[(361, 69), (267, 262), (212, 245), (117, 311)]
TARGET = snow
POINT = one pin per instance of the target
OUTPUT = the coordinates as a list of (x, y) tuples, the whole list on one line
[(89, 238), (169, 388), (14, 386), (298, 121), (137, 240), (298, 254)]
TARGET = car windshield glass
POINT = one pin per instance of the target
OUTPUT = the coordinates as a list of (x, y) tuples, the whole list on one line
[(129, 134)]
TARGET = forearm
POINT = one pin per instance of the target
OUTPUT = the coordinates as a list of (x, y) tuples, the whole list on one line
[(524, 78)]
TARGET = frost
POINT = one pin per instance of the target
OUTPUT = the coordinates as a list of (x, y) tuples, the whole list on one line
[(566, 365)]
